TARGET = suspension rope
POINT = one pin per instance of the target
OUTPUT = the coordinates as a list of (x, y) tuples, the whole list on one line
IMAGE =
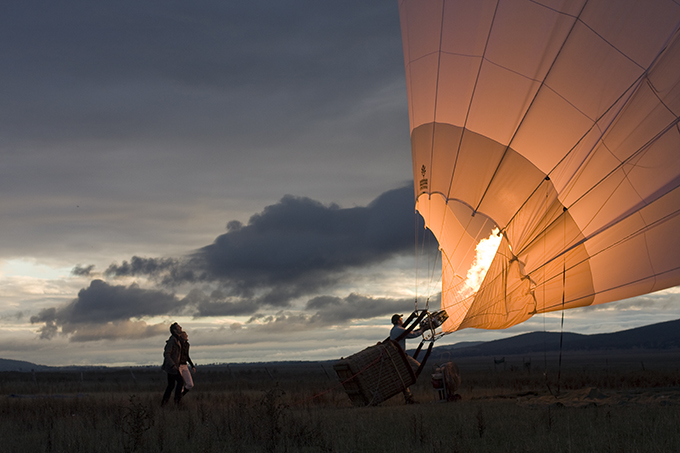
[(559, 363), (416, 230)]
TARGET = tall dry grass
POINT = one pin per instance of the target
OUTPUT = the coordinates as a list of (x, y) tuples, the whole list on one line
[(302, 408)]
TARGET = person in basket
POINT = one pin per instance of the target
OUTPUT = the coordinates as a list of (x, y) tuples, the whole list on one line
[(397, 332)]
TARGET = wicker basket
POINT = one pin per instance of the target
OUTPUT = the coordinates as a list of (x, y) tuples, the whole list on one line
[(375, 374)]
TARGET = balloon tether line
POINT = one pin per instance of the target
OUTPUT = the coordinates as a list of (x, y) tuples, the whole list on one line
[(559, 365), (564, 282)]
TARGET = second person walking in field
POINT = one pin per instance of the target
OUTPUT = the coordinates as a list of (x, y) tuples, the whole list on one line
[(184, 359), (175, 353)]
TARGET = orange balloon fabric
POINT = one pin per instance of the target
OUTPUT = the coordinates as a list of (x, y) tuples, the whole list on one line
[(557, 123)]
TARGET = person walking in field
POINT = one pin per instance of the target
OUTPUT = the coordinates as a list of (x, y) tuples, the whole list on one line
[(184, 358), (171, 362)]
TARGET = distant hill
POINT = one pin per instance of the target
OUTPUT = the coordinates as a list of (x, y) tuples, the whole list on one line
[(665, 335), (20, 365)]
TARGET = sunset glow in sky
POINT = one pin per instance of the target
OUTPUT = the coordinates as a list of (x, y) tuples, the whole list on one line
[(242, 168)]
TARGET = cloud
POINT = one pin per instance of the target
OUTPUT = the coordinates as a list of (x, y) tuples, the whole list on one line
[(325, 311), (335, 310), (141, 266), (292, 249), (118, 62), (119, 330), (299, 245), (83, 271), (218, 304), (107, 311), (163, 116)]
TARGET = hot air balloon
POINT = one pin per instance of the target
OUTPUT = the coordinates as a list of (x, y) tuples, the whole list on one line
[(548, 131)]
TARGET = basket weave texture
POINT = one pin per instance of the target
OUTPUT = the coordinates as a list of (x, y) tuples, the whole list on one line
[(375, 374)]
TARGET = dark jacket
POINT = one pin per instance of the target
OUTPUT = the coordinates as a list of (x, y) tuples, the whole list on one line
[(171, 355)]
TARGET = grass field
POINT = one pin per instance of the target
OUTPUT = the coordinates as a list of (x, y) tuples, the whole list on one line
[(604, 402)]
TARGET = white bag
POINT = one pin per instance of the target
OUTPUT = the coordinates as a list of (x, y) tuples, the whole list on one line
[(186, 375)]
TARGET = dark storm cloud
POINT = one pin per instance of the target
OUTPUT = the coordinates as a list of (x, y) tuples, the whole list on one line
[(299, 239), (294, 248), (110, 308), (100, 69), (335, 310), (328, 311), (121, 118), (207, 42), (141, 266), (83, 271), (104, 311)]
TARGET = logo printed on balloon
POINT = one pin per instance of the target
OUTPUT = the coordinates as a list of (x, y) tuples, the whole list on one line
[(423, 181)]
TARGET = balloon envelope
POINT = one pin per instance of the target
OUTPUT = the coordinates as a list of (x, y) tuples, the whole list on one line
[(557, 123)]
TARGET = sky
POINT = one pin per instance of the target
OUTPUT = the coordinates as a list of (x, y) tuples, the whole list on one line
[(242, 168)]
